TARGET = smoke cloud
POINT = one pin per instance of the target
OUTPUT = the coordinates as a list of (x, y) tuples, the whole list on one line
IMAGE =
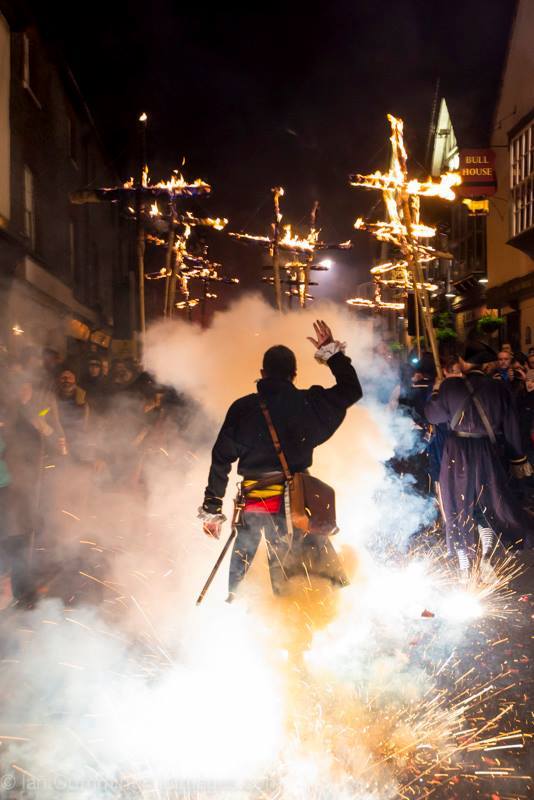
[(146, 689)]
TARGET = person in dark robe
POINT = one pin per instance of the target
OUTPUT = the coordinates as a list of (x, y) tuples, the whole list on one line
[(474, 484), (303, 419), (451, 369), (96, 385)]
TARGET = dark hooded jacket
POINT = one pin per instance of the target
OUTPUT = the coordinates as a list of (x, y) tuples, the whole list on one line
[(303, 418)]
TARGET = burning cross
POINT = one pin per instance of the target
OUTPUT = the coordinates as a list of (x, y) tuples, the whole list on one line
[(404, 229), (141, 198), (392, 275), (300, 252), (136, 197), (179, 260), (187, 267)]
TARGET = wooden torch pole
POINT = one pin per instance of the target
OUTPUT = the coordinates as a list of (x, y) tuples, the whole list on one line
[(418, 277), (277, 191), (141, 224)]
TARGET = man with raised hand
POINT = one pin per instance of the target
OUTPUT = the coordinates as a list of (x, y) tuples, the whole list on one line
[(302, 419)]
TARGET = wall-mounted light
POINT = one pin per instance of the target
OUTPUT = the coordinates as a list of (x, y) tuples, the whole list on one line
[(482, 280)]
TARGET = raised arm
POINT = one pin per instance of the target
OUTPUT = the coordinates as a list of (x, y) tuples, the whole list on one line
[(347, 389)]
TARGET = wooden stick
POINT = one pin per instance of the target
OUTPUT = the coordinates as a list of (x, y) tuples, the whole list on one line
[(239, 505), (169, 262), (216, 566), (277, 191), (140, 249), (417, 309), (418, 277)]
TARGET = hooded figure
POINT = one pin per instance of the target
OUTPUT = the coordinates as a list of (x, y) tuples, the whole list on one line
[(474, 485)]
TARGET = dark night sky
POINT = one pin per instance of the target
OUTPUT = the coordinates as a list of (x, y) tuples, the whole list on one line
[(280, 93)]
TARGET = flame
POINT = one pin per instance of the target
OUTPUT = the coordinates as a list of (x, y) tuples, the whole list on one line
[(154, 210), (184, 304), (155, 239), (390, 182), (365, 303), (157, 276), (391, 231), (400, 276), (249, 237), (218, 223), (178, 182), (403, 227), (387, 266), (294, 242), (406, 283)]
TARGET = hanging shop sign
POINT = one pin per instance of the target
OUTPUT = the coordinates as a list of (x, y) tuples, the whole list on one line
[(77, 330), (101, 338), (477, 168)]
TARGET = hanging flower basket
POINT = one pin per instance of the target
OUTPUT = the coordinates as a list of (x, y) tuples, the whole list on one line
[(445, 335), (489, 324)]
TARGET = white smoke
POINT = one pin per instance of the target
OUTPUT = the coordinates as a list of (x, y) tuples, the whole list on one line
[(152, 689)]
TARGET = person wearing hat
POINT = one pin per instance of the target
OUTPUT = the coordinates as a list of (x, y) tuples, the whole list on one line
[(473, 481)]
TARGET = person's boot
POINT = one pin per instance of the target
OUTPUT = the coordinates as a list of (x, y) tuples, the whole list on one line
[(488, 539), (464, 567)]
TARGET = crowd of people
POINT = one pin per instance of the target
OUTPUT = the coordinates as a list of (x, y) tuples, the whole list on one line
[(70, 432), (514, 369), (477, 422)]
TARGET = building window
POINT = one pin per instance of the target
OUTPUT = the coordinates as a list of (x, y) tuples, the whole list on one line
[(522, 180), (25, 61), (27, 70), (29, 206), (72, 140)]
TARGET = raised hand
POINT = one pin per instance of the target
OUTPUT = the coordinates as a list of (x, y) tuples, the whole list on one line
[(323, 334)]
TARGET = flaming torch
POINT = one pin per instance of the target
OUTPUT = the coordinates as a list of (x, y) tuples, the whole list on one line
[(300, 251), (404, 228), (186, 267), (141, 198), (178, 258)]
